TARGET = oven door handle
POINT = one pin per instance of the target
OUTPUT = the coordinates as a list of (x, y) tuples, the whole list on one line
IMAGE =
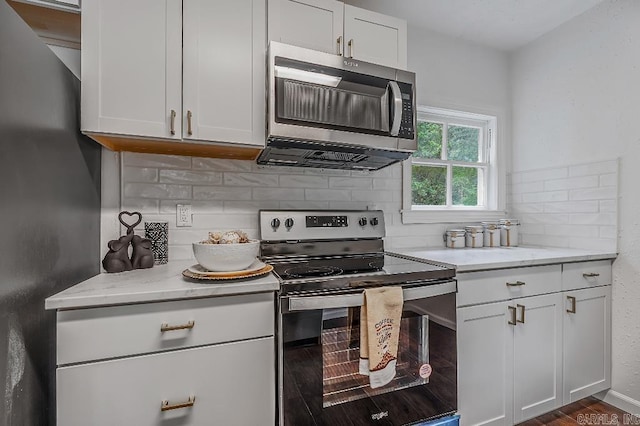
[(310, 303)]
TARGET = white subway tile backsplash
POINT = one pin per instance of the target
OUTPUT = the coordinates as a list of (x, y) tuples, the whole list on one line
[(190, 177), (221, 193), (250, 179), (350, 182), (221, 165), (250, 207), (327, 194), (545, 174), (542, 197), (140, 174), (280, 194), (572, 207), (376, 196), (392, 184), (156, 160), (597, 168), (577, 206), (222, 222), (142, 205), (322, 172), (610, 179), (159, 191), (304, 205), (304, 181), (571, 183), (197, 207), (604, 193)]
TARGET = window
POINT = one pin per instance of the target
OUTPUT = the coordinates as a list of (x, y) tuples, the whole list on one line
[(454, 170)]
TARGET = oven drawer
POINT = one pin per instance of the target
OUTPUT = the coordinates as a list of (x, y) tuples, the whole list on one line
[(99, 333), (505, 284), (586, 274)]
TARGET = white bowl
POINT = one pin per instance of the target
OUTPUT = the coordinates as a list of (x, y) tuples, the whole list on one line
[(226, 257)]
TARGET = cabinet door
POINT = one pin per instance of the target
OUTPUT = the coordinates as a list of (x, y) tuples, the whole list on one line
[(314, 24), (374, 37), (537, 358), (233, 384), (224, 71), (587, 342), (131, 67), (485, 365)]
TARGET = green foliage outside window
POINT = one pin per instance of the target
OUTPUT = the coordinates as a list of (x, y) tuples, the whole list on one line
[(429, 182)]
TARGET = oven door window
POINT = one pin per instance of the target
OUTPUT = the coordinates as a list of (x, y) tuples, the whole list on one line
[(321, 380)]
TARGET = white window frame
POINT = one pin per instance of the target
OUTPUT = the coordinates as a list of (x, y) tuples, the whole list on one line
[(493, 164)]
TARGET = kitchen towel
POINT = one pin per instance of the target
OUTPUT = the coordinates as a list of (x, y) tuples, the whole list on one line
[(379, 333)]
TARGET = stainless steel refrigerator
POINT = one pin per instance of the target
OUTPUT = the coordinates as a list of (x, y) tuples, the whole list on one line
[(49, 214)]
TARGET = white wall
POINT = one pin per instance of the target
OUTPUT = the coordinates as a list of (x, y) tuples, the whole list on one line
[(228, 194), (576, 98)]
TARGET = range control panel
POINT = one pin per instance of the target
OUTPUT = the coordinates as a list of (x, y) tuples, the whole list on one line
[(278, 225)]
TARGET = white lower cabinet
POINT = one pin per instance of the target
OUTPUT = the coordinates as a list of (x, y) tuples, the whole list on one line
[(524, 356), (510, 360), (195, 362), (225, 384), (587, 342)]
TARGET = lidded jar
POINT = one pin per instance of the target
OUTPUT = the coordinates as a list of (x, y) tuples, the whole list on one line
[(509, 229), (455, 238), (474, 236), (491, 232)]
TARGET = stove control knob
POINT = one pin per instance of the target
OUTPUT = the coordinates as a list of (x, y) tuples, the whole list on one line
[(288, 223), (374, 221), (275, 223), (362, 221)]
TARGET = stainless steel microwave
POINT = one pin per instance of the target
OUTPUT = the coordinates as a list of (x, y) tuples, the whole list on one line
[(329, 111)]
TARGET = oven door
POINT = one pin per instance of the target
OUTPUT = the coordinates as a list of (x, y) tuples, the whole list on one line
[(319, 360)]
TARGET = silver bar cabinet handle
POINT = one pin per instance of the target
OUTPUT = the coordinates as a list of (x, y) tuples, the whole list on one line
[(515, 284), (521, 320), (166, 327), (572, 309), (512, 310), (173, 122), (351, 48), (339, 41), (189, 116), (590, 274), (164, 405)]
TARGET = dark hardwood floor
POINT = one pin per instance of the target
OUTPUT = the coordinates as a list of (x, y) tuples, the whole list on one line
[(588, 411)]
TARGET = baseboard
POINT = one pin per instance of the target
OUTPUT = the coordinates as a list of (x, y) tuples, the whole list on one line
[(620, 401)]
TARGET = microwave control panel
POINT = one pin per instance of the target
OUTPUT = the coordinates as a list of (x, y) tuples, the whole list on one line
[(407, 126)]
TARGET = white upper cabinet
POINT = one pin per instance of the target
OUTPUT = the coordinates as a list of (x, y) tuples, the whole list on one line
[(333, 27), (373, 37), (313, 24), (135, 96), (131, 67), (224, 71)]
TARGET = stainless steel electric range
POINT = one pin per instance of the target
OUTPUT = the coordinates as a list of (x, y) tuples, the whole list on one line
[(324, 260)]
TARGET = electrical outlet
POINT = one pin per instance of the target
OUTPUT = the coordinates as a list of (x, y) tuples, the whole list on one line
[(184, 216)]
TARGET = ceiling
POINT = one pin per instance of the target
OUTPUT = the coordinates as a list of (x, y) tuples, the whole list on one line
[(501, 24)]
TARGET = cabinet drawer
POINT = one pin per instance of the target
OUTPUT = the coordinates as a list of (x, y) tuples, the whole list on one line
[(586, 274), (504, 284), (99, 333), (232, 383)]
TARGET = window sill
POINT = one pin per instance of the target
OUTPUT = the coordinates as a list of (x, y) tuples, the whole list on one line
[(450, 216)]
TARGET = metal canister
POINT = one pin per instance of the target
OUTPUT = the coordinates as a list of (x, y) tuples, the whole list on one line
[(455, 238), (474, 236), (491, 231), (509, 232)]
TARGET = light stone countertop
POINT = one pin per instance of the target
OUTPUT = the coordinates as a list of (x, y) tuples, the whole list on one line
[(482, 259), (160, 283)]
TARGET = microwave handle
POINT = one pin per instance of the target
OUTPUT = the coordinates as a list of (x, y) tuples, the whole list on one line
[(309, 303), (397, 108)]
